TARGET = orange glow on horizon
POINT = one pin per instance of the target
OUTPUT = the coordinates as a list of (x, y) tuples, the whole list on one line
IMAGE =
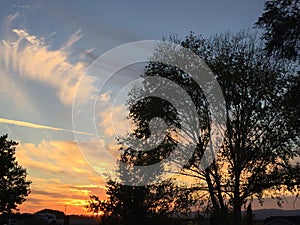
[(58, 183)]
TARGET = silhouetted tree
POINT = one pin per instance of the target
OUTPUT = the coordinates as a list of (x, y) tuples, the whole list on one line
[(259, 141), (14, 186), (280, 21)]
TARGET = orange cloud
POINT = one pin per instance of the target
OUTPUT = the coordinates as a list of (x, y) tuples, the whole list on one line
[(61, 177)]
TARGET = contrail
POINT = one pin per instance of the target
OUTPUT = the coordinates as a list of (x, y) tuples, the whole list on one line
[(38, 126)]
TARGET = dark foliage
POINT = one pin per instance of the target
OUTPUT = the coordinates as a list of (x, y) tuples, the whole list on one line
[(281, 23), (14, 187)]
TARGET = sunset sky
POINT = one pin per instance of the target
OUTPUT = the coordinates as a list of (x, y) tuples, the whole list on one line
[(47, 47)]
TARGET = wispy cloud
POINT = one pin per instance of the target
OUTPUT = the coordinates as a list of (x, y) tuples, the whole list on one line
[(20, 6), (33, 59), (38, 126), (74, 38), (10, 18)]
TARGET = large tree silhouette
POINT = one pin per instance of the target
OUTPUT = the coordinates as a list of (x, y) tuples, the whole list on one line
[(14, 186), (259, 136), (258, 142)]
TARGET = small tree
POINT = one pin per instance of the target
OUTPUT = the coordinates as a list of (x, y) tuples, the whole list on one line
[(141, 204), (14, 187)]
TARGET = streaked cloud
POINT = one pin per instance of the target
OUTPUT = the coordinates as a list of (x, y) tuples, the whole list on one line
[(73, 39), (20, 6), (60, 176), (38, 126), (10, 18)]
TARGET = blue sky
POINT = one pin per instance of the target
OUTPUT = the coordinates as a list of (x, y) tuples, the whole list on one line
[(45, 49), (109, 23)]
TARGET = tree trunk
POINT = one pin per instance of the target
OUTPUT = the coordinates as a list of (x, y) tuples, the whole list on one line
[(237, 214), (211, 191), (224, 212), (249, 215), (219, 216)]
